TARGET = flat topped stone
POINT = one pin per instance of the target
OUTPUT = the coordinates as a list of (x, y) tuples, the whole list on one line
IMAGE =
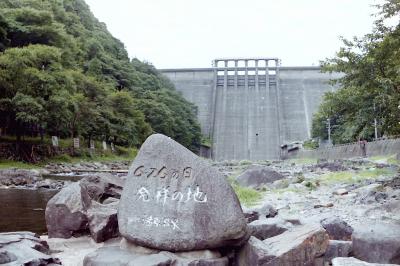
[(174, 200)]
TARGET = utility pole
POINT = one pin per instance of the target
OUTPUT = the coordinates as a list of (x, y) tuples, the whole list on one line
[(375, 124), (329, 130)]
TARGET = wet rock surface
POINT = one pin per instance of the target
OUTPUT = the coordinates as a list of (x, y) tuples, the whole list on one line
[(103, 186), (25, 248), (355, 262), (173, 200), (77, 209), (377, 242), (103, 221), (362, 195), (258, 176), (22, 178), (266, 228), (298, 246), (66, 212), (337, 229), (116, 256), (337, 248), (59, 175)]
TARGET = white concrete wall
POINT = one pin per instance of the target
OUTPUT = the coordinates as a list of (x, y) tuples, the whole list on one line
[(252, 123)]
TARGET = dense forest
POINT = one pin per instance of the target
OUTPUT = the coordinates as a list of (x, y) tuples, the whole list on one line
[(63, 74), (369, 92)]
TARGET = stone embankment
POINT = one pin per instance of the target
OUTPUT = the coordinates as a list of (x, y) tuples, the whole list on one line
[(174, 208)]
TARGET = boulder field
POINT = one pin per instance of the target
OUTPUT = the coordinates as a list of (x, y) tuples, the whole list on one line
[(175, 208)]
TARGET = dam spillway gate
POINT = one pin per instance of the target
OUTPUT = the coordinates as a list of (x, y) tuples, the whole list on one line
[(251, 106)]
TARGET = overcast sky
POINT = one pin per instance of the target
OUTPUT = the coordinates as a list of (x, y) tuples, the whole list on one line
[(191, 33)]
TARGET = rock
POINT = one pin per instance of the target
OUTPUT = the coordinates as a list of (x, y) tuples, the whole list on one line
[(109, 256), (103, 221), (133, 248), (76, 209), (24, 248), (6, 257), (326, 205), (331, 166), (280, 184), (341, 191), (19, 177), (267, 211), (111, 201), (337, 248), (251, 216), (50, 184), (294, 220), (298, 246), (257, 176), (102, 186), (197, 258), (263, 229), (152, 260), (117, 257), (173, 200), (378, 243), (66, 212), (355, 262), (337, 229), (370, 193)]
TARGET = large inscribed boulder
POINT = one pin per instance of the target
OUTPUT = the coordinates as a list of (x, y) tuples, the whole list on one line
[(173, 200)]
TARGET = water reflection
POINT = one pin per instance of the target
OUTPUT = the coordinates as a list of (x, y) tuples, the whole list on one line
[(23, 209)]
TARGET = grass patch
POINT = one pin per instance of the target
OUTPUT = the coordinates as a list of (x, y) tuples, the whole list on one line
[(247, 196), (375, 172), (121, 154), (83, 155), (301, 161), (287, 189), (245, 162), (391, 159), (354, 177), (4, 164), (206, 141)]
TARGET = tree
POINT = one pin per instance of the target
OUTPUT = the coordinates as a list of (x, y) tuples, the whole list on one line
[(63, 73), (370, 87)]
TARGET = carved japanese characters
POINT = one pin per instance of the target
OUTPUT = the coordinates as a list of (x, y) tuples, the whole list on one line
[(174, 200)]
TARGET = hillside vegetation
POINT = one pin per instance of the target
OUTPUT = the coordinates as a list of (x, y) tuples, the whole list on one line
[(62, 73), (370, 87)]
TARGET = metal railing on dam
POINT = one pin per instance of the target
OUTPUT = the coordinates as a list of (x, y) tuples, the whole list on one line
[(250, 106)]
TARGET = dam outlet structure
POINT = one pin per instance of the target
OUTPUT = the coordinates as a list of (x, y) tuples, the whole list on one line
[(249, 107)]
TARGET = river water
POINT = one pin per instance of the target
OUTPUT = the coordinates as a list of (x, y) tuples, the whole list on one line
[(23, 209)]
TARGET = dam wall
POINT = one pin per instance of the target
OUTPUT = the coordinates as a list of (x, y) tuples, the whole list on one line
[(249, 111)]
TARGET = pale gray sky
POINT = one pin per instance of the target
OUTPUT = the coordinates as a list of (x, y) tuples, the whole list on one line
[(190, 33)]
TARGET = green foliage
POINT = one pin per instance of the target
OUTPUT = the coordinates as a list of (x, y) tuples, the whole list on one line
[(310, 185), (62, 73), (302, 161), (206, 141), (247, 196), (6, 164), (370, 87), (351, 177), (310, 144)]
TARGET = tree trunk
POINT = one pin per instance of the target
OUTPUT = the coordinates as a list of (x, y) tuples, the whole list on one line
[(41, 134)]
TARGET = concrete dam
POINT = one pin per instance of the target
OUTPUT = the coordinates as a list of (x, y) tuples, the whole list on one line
[(249, 107)]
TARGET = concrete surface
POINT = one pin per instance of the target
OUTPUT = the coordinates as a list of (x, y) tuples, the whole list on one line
[(251, 119)]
